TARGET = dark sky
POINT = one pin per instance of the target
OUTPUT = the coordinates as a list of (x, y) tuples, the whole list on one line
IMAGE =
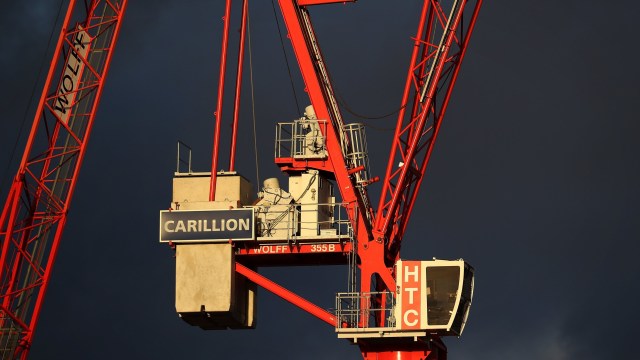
[(534, 179)]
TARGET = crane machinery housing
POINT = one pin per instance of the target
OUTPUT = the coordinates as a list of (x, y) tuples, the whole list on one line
[(223, 232)]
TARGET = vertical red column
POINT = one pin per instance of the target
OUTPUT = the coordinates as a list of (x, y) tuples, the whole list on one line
[(236, 104), (218, 112)]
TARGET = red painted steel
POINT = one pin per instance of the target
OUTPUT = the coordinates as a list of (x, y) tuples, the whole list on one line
[(287, 295), (430, 349), (218, 112), (34, 214), (321, 2), (269, 254), (266, 249), (439, 48), (441, 114), (431, 75), (236, 104), (318, 86), (38, 200)]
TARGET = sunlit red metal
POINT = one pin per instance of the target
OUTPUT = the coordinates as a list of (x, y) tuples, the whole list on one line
[(33, 218), (430, 349), (320, 93), (236, 103), (266, 254), (287, 295), (35, 212), (321, 2), (439, 48), (433, 70), (218, 112)]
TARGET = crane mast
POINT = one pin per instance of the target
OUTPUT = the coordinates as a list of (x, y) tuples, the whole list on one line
[(221, 233), (35, 212)]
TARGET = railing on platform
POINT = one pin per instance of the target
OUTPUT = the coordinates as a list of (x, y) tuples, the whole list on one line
[(356, 310), (301, 139), (302, 221), (180, 160)]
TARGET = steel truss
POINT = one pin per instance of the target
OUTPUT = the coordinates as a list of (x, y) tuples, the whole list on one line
[(34, 215), (439, 48), (35, 212)]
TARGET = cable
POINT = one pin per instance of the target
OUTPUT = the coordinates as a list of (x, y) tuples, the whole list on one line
[(33, 92), (311, 181), (345, 106), (286, 59), (378, 128)]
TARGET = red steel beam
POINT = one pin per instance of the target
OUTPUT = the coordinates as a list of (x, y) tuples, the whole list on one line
[(311, 64), (287, 295), (425, 161), (407, 92), (417, 134), (236, 104), (218, 112), (321, 2), (34, 214), (74, 178)]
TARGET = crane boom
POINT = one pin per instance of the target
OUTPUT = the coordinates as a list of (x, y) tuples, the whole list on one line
[(439, 48), (369, 314), (36, 209)]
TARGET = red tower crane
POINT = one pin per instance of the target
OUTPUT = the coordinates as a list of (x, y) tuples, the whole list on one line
[(35, 211), (221, 234)]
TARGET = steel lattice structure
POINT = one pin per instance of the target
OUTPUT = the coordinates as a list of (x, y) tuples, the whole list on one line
[(36, 210), (440, 45)]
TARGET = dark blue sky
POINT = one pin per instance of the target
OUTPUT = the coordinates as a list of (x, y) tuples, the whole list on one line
[(534, 179)]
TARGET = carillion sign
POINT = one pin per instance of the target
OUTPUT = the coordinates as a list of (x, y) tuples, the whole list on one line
[(207, 225)]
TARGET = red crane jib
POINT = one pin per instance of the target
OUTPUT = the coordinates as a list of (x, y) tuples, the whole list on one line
[(35, 212)]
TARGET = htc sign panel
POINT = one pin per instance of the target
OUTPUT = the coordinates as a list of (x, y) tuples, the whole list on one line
[(207, 225)]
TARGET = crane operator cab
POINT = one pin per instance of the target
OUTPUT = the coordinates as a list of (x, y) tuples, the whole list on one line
[(432, 297)]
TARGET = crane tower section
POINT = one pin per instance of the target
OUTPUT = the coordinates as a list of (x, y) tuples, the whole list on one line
[(36, 209)]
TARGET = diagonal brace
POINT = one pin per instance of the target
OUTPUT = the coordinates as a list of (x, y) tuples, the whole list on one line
[(287, 295)]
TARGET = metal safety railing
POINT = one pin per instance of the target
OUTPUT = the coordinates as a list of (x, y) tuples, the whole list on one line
[(180, 160), (358, 155), (356, 310), (301, 139), (299, 220)]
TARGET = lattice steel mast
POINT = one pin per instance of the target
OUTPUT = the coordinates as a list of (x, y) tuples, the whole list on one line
[(35, 212)]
